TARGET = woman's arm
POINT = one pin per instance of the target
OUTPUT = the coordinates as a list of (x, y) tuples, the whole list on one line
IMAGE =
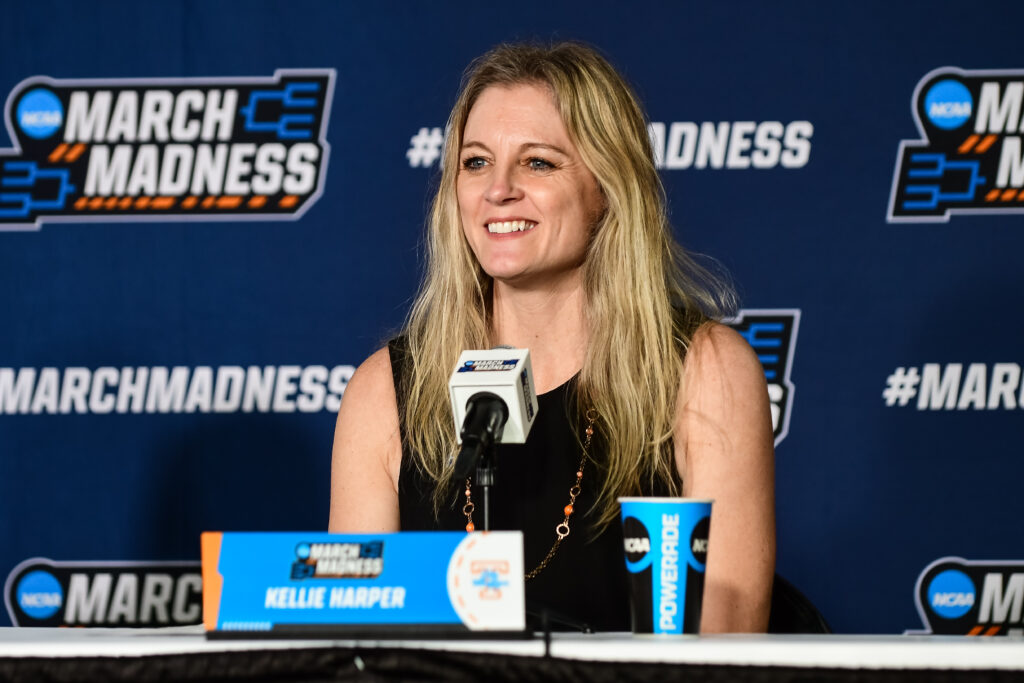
[(726, 452), (367, 452)]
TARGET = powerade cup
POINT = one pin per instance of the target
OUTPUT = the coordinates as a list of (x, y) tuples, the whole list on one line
[(666, 542)]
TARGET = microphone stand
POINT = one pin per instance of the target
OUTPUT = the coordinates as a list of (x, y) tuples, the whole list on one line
[(486, 415), (485, 479)]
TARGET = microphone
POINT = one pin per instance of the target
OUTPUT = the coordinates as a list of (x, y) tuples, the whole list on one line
[(493, 401)]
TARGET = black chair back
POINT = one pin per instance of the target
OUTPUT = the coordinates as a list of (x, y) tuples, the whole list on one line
[(792, 612)]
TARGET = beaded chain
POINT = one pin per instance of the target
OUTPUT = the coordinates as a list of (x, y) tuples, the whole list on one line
[(562, 530)]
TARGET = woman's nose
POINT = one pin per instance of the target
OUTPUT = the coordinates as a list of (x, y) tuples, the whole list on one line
[(504, 186)]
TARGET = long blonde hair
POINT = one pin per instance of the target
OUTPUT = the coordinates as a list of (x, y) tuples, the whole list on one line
[(645, 297)]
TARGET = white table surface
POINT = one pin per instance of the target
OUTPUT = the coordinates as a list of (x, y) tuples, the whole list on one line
[(831, 651)]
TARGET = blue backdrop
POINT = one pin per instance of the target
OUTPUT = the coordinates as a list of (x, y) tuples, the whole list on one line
[(779, 127)]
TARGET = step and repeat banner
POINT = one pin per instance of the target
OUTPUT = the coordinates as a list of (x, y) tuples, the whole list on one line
[(211, 212)]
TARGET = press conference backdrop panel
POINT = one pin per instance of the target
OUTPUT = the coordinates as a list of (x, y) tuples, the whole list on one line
[(212, 212)]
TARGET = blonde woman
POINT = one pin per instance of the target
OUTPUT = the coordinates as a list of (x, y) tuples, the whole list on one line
[(549, 232)]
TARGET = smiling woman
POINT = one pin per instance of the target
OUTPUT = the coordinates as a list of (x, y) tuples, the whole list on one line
[(549, 232), (527, 201)]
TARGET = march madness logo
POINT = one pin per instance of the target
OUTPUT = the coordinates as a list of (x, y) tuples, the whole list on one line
[(969, 159), (165, 149), (488, 365), (338, 560), (772, 335), (41, 592), (962, 597)]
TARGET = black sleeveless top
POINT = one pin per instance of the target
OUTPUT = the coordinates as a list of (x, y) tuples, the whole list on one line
[(586, 581)]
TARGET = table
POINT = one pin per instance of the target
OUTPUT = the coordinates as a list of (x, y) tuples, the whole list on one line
[(184, 654)]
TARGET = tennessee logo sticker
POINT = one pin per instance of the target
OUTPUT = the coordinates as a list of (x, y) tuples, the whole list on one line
[(203, 149), (969, 158)]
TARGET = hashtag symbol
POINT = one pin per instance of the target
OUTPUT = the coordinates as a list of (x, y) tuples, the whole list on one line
[(425, 147), (901, 386)]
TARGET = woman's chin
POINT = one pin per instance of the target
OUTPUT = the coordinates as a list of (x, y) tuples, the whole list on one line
[(507, 276), (504, 268), (529, 278)]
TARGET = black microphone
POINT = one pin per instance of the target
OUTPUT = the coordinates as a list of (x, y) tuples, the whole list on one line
[(492, 402), (486, 415)]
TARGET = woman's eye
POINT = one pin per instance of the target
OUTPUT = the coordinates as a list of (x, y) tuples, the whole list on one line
[(538, 164), (473, 163)]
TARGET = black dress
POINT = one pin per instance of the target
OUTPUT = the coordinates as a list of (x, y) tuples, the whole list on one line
[(585, 582)]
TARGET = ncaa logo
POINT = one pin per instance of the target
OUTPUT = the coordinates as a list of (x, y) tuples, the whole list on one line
[(40, 113), (948, 104), (637, 544), (951, 594), (39, 594), (699, 541)]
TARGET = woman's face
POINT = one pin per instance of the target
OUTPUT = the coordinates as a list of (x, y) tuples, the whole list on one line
[(527, 201)]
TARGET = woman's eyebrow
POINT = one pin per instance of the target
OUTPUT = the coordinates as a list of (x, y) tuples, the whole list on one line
[(542, 145), (523, 147)]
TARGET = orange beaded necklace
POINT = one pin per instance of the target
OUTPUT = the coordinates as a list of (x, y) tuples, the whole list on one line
[(562, 530)]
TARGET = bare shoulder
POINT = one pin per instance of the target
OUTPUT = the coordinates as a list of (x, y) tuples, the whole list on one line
[(367, 451), (369, 409), (719, 359), (722, 404), (373, 383)]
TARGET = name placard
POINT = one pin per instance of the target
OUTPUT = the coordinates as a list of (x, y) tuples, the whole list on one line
[(299, 584)]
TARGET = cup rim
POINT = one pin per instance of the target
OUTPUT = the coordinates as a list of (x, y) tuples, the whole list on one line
[(663, 499)]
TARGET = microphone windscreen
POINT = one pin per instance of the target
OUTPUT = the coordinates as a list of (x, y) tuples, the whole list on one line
[(504, 372)]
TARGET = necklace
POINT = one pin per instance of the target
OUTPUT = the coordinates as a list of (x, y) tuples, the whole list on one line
[(562, 530)]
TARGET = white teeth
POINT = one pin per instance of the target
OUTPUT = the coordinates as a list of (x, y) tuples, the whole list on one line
[(510, 226)]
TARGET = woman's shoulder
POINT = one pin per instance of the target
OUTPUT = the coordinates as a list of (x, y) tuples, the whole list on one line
[(384, 365), (719, 348), (378, 363), (721, 371), (369, 410), (367, 451), (372, 384)]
